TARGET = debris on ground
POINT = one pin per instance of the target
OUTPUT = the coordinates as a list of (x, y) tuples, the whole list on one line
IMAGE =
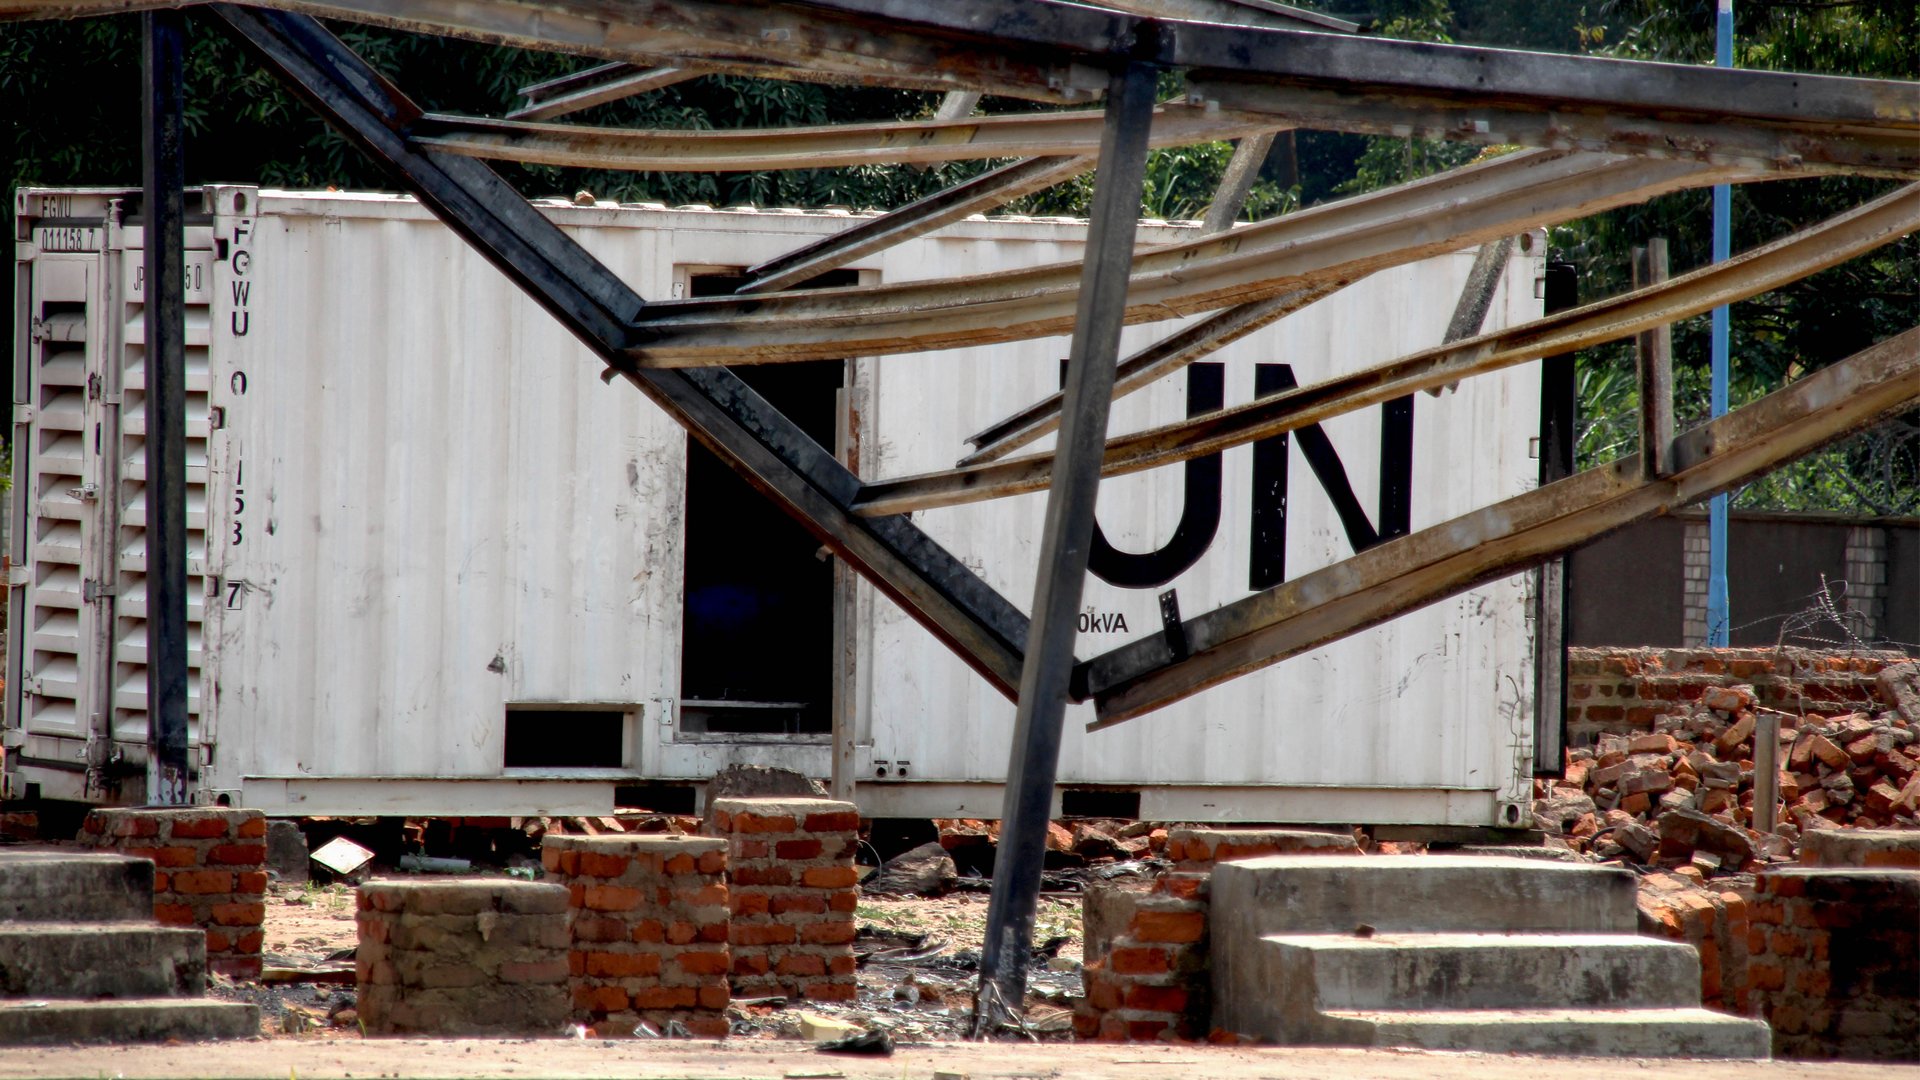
[(1680, 796)]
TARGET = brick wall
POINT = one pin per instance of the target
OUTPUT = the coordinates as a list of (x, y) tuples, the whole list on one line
[(650, 923), (1623, 690), (1145, 967), (792, 887), (463, 957), (1836, 962), (209, 872), (1715, 921)]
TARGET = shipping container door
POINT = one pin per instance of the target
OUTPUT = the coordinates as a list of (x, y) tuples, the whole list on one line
[(58, 632), (129, 467)]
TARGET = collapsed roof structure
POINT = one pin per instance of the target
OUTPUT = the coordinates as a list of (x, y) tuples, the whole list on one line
[(1595, 134)]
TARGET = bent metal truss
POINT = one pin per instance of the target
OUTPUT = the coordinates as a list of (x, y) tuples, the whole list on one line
[(1596, 134)]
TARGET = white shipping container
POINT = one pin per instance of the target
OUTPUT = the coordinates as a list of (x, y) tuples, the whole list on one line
[(444, 569)]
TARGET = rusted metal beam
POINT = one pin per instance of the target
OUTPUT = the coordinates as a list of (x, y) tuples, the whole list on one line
[(984, 192), (1884, 149), (1413, 571), (1065, 542), (829, 146), (598, 86), (1234, 12), (1337, 242), (1230, 196), (1653, 351), (1055, 52), (715, 406), (1144, 368), (1788, 259)]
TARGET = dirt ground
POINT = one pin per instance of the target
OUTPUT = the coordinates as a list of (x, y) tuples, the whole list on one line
[(310, 1059), (916, 984), (314, 926)]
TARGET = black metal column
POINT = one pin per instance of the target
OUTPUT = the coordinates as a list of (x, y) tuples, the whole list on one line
[(166, 405), (1035, 756), (1558, 407)]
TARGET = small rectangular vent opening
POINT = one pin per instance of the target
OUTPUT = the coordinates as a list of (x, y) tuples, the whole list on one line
[(546, 737), (1093, 802), (661, 798)]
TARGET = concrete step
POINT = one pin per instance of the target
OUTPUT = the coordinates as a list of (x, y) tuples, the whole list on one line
[(94, 960), (1691, 1033), (1485, 971), (39, 1021), (61, 886), (1333, 894)]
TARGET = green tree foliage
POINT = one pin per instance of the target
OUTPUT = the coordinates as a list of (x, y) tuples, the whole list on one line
[(1786, 333), (73, 94)]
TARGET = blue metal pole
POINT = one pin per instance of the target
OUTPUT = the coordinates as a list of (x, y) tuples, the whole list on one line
[(1718, 613)]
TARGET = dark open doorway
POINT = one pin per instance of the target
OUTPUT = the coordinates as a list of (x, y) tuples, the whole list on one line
[(756, 647)]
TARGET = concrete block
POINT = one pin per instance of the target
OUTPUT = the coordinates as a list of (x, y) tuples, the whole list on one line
[(287, 851), (40, 1023), (93, 960), (1667, 1033), (50, 886), (1488, 971)]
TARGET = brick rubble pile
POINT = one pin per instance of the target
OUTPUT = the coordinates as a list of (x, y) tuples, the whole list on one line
[(1682, 793)]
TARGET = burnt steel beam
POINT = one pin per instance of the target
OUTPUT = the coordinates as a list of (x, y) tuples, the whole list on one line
[(1414, 571), (1654, 362), (596, 86), (1230, 195), (1235, 12), (1058, 52), (1788, 259), (1888, 150), (828, 146), (1066, 540), (1336, 242), (715, 406), (1144, 368), (164, 208), (984, 192)]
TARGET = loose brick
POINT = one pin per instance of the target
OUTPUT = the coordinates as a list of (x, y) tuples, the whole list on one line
[(1169, 926), (829, 877), (238, 855), (622, 965), (704, 963), (201, 882), (611, 898), (797, 849)]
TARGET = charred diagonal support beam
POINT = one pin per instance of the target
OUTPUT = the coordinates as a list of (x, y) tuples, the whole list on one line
[(1144, 368), (1235, 12), (1449, 558), (984, 192), (1054, 52), (595, 86), (1065, 542), (1335, 243), (1886, 150), (715, 406), (1230, 197), (1788, 259), (833, 145)]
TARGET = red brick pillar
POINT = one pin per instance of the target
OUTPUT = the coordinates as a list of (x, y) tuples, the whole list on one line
[(649, 929), (209, 872), (790, 867), (462, 956)]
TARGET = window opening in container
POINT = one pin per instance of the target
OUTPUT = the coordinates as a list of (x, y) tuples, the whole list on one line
[(545, 737), (1100, 803), (756, 649)]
